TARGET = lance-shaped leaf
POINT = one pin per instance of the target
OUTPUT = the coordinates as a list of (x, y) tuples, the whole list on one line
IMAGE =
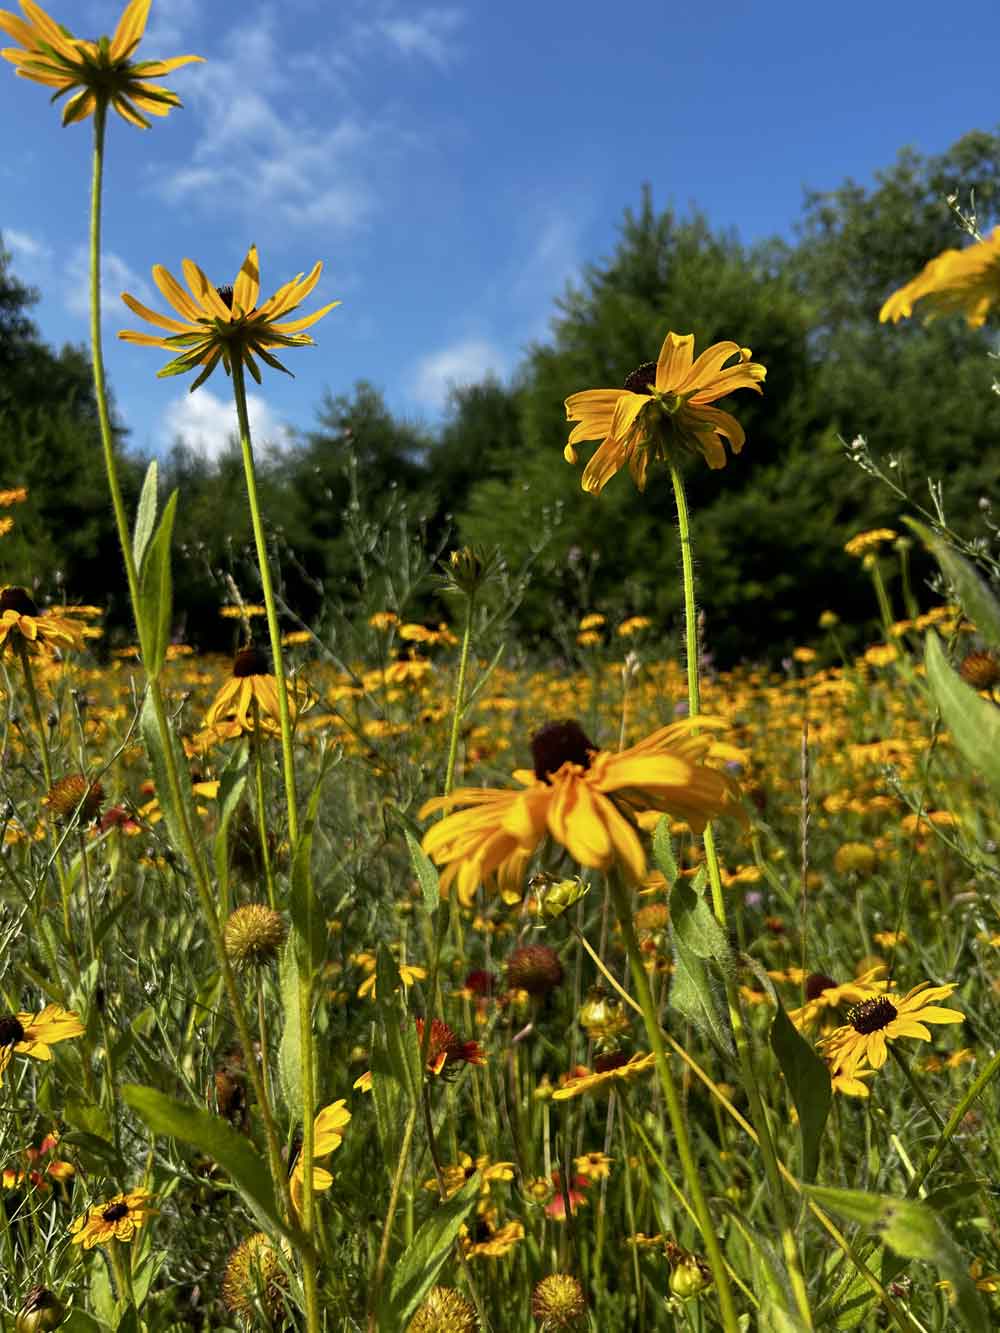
[(974, 722)]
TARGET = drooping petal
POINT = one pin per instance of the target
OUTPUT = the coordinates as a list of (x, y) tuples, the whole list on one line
[(674, 360), (594, 409), (151, 317), (604, 462)]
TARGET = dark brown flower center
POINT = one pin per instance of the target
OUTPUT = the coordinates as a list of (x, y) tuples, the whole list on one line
[(559, 743), (872, 1015), (11, 1031), (642, 379), (115, 1212), (250, 662), (603, 1064), (226, 296), (17, 599), (817, 984)]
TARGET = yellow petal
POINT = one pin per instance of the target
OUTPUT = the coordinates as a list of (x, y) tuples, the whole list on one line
[(131, 26), (246, 288), (594, 410), (177, 296), (605, 461), (49, 29), (306, 320), (674, 360), (204, 292), (151, 317)]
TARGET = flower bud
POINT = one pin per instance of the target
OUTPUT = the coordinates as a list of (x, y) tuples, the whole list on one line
[(689, 1277), (41, 1311)]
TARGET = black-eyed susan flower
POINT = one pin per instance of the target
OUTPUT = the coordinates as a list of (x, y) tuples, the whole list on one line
[(225, 323), (663, 410), (102, 73), (249, 698), (823, 995), (584, 798), (954, 282), (444, 1310), (117, 1219), (865, 542), (453, 1177), (593, 1165), (487, 1238), (614, 1067), (35, 1034), (875, 1022), (326, 1139), (22, 624)]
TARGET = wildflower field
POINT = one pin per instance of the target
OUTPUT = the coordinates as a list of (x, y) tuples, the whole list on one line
[(383, 974)]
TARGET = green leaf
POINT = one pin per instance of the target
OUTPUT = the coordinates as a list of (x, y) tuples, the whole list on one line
[(426, 874), (232, 784), (402, 1046), (692, 995), (79, 1321), (663, 852), (424, 1257), (158, 760), (389, 1099), (694, 923), (156, 592), (808, 1081), (290, 1047), (913, 1231), (978, 602), (146, 515), (770, 1283), (212, 1135), (974, 723)]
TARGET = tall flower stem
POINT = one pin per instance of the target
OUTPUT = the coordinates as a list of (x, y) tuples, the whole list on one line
[(309, 1275), (456, 719), (675, 1110), (758, 1113), (190, 849)]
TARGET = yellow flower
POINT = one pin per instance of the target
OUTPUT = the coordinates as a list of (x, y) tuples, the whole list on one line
[(585, 798), (249, 698), (965, 281), (621, 1071), (664, 407), (454, 1177), (823, 994), (409, 973), (593, 1165), (634, 625), (230, 612), (223, 323), (13, 497), (850, 1085), (326, 1139), (488, 1240), (34, 1034), (22, 622), (869, 541), (117, 1219), (103, 71), (874, 1022)]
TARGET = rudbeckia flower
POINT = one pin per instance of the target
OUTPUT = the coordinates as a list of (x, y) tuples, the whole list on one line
[(956, 282), (34, 1034), (586, 799), (609, 1069), (103, 71), (21, 622), (824, 994), (251, 684), (118, 1219), (873, 1023), (663, 409), (226, 323), (326, 1138)]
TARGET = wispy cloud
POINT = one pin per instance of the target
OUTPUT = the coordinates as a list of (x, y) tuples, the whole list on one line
[(116, 277), (430, 34), (460, 363), (207, 424), (26, 247)]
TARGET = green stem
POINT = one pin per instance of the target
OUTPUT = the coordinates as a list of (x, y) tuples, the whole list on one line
[(456, 720), (952, 1124), (309, 1274), (190, 849), (758, 1113), (258, 772), (36, 710), (675, 1112), (396, 1186)]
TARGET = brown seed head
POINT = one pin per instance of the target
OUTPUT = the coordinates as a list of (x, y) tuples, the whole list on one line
[(253, 935), (66, 795), (558, 1302), (980, 670), (444, 1310), (254, 1280), (535, 968)]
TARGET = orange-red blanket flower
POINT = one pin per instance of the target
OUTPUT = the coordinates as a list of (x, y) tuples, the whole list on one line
[(663, 408), (584, 798)]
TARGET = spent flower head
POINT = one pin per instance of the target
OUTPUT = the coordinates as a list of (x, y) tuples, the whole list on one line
[(99, 73)]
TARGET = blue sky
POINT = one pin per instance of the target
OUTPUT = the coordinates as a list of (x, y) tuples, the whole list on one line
[(454, 165)]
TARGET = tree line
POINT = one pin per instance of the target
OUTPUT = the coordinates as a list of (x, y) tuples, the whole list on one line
[(770, 527)]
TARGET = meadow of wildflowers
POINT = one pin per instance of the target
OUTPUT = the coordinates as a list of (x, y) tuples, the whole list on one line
[(409, 984)]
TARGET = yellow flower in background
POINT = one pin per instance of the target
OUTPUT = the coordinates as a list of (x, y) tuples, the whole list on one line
[(586, 799), (824, 994), (326, 1139), (664, 407), (955, 282), (869, 541), (118, 1219), (884, 1018), (103, 72), (34, 1034), (225, 323), (611, 1068), (21, 622), (233, 709), (17, 496)]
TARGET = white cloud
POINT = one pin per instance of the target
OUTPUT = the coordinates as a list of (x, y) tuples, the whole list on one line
[(463, 362), (116, 277), (269, 162), (25, 247), (207, 424), (429, 34)]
